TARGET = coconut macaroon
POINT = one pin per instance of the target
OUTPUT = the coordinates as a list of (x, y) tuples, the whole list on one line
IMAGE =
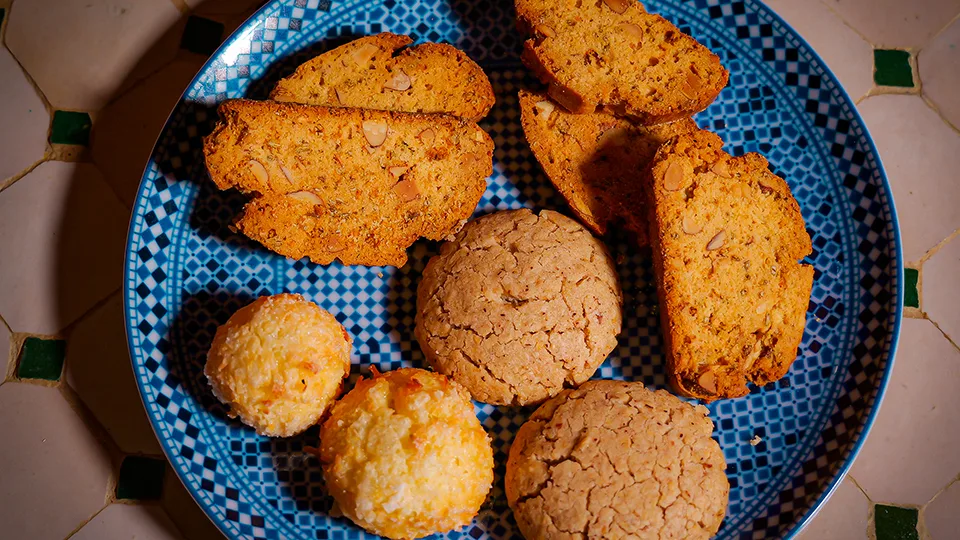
[(279, 363), (404, 455)]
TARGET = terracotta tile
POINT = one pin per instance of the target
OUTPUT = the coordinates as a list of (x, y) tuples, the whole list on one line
[(128, 128), (895, 23), (941, 288), (68, 231), (98, 369), (80, 52), (920, 153), (844, 515), (185, 512), (910, 453), (941, 516), (845, 52), (54, 471), (127, 521), (939, 67), (23, 133)]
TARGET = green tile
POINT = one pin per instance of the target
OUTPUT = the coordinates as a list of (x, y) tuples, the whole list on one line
[(891, 67), (70, 127), (895, 523), (141, 478), (201, 36), (911, 297), (41, 359)]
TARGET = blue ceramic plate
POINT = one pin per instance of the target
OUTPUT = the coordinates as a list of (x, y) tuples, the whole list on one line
[(186, 272)]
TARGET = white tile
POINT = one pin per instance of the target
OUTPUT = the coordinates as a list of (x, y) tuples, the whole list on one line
[(23, 133), (911, 452), (942, 515), (849, 57), (129, 522), (939, 67), (844, 515), (127, 129), (80, 52), (67, 231), (941, 288), (98, 369), (921, 154), (54, 471), (185, 512), (896, 23)]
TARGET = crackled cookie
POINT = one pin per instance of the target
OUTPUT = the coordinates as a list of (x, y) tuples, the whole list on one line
[(404, 455), (279, 363), (614, 460), (517, 306)]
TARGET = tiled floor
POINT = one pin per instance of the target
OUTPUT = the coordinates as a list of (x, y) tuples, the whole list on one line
[(79, 458)]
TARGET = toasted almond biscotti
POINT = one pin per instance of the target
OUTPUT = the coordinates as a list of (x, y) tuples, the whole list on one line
[(350, 184), (726, 236), (613, 55), (596, 161), (370, 74)]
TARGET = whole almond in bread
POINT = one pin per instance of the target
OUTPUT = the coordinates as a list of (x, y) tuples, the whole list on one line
[(726, 236), (369, 73), (349, 184), (613, 55), (596, 161)]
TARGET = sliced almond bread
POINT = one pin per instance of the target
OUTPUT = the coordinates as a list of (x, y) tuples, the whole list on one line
[(369, 73), (726, 236), (596, 161), (613, 55), (350, 184)]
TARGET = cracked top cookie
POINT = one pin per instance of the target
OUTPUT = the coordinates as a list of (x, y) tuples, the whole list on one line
[(518, 306), (614, 460)]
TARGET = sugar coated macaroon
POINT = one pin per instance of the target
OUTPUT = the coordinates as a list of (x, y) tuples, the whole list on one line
[(279, 364)]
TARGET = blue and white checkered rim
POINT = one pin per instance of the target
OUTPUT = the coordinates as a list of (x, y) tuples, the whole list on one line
[(186, 272)]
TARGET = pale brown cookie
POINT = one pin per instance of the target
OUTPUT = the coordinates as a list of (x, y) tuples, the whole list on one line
[(614, 460), (517, 306)]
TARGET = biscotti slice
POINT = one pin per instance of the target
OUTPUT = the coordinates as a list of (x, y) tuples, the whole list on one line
[(350, 184), (596, 161), (726, 236), (371, 74), (613, 55)]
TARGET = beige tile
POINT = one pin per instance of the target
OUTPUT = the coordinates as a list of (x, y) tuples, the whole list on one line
[(942, 515), (911, 452), (67, 230), (844, 515), (129, 522), (921, 154), (81, 51), (23, 133), (54, 471), (939, 67), (184, 511), (896, 23), (845, 52), (98, 369), (125, 132), (941, 288)]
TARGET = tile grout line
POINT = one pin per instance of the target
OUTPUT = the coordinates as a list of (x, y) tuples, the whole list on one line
[(854, 480), (947, 336), (85, 522), (181, 5), (936, 34), (930, 103), (847, 24), (936, 249)]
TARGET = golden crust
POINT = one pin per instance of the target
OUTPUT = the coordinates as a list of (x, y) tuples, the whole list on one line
[(615, 460), (404, 455), (279, 363), (370, 73), (727, 235), (594, 161)]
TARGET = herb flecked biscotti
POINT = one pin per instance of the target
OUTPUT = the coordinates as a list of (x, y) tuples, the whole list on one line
[(596, 160), (350, 184), (613, 55), (726, 236), (370, 73)]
